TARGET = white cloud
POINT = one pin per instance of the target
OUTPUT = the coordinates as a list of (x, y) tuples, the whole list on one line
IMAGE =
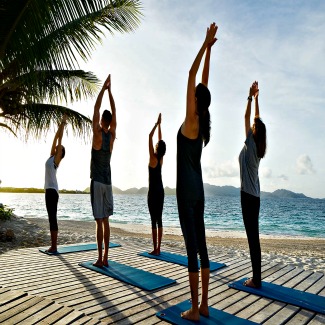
[(266, 172), (229, 168), (283, 177), (304, 165)]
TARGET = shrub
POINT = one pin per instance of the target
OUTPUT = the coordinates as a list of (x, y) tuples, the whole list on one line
[(5, 213)]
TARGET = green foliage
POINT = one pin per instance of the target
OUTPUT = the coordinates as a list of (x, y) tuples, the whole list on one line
[(5, 213), (41, 42)]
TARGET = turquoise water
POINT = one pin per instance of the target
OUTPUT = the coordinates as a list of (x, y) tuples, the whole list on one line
[(284, 217)]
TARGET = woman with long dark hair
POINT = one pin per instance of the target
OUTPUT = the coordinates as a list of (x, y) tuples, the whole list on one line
[(192, 135), (249, 160), (156, 192)]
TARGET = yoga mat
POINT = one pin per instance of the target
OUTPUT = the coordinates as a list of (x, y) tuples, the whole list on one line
[(76, 248), (179, 259), (217, 317), (288, 295), (128, 274)]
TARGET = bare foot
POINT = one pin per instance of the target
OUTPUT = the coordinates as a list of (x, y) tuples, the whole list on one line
[(158, 251), (154, 252), (105, 263), (98, 263), (191, 315), (204, 310), (250, 283)]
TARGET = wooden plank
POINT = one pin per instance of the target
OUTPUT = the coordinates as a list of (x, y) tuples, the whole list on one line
[(29, 312), (7, 296), (12, 312), (76, 295)]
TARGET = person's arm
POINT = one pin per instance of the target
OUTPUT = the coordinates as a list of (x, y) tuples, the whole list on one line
[(257, 109), (253, 90), (152, 160), (206, 67), (159, 127), (58, 142), (113, 124), (191, 117)]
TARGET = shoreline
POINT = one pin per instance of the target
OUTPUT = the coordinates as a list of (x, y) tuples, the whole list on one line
[(307, 253)]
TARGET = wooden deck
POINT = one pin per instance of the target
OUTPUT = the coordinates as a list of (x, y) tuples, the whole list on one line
[(36, 288)]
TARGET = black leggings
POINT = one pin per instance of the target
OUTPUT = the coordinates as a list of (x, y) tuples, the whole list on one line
[(51, 200), (191, 217), (250, 205), (156, 204)]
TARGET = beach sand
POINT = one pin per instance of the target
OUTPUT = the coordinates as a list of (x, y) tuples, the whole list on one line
[(307, 253)]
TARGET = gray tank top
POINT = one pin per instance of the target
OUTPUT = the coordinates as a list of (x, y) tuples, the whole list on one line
[(100, 166), (249, 163)]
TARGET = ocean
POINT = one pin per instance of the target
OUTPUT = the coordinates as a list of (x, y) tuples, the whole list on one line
[(278, 216)]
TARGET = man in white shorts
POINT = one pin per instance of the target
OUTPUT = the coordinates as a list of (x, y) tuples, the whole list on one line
[(104, 132)]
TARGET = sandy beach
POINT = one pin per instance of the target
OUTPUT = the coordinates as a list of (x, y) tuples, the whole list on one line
[(307, 253)]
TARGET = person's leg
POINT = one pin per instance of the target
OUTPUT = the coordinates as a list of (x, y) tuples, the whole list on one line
[(205, 277), (250, 209), (204, 257), (152, 205), (99, 239), (186, 217), (51, 200), (159, 221), (160, 233), (106, 235), (193, 313), (154, 241)]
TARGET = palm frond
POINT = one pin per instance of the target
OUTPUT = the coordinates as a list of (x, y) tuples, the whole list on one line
[(65, 28), (5, 126), (53, 86), (37, 119)]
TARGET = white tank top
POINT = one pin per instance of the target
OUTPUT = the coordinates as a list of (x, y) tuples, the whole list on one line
[(50, 174)]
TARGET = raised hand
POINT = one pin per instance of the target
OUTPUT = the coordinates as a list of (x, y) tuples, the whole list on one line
[(159, 119), (210, 38), (253, 90), (107, 83)]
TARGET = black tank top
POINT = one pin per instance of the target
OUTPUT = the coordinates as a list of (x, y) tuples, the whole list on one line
[(155, 180), (100, 166), (189, 183)]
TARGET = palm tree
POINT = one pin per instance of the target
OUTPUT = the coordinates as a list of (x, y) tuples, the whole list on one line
[(41, 42)]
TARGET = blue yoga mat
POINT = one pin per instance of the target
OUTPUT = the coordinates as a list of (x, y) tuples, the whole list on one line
[(128, 274), (217, 317), (76, 248), (291, 296), (179, 259)]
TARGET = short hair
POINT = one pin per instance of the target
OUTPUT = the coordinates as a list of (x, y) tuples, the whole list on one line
[(107, 116), (161, 149)]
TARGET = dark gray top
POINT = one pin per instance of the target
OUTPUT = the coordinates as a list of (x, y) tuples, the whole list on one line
[(189, 183), (100, 166), (249, 163)]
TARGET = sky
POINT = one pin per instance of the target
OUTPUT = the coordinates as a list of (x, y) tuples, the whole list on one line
[(280, 44)]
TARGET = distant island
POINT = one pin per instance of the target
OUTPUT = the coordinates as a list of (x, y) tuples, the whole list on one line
[(209, 190)]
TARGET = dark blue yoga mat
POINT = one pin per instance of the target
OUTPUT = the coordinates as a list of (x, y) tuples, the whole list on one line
[(217, 317), (288, 295), (179, 259), (76, 248), (128, 274)]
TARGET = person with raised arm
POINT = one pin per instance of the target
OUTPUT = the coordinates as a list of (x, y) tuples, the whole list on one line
[(249, 160), (156, 189), (101, 193), (193, 133), (51, 184)]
